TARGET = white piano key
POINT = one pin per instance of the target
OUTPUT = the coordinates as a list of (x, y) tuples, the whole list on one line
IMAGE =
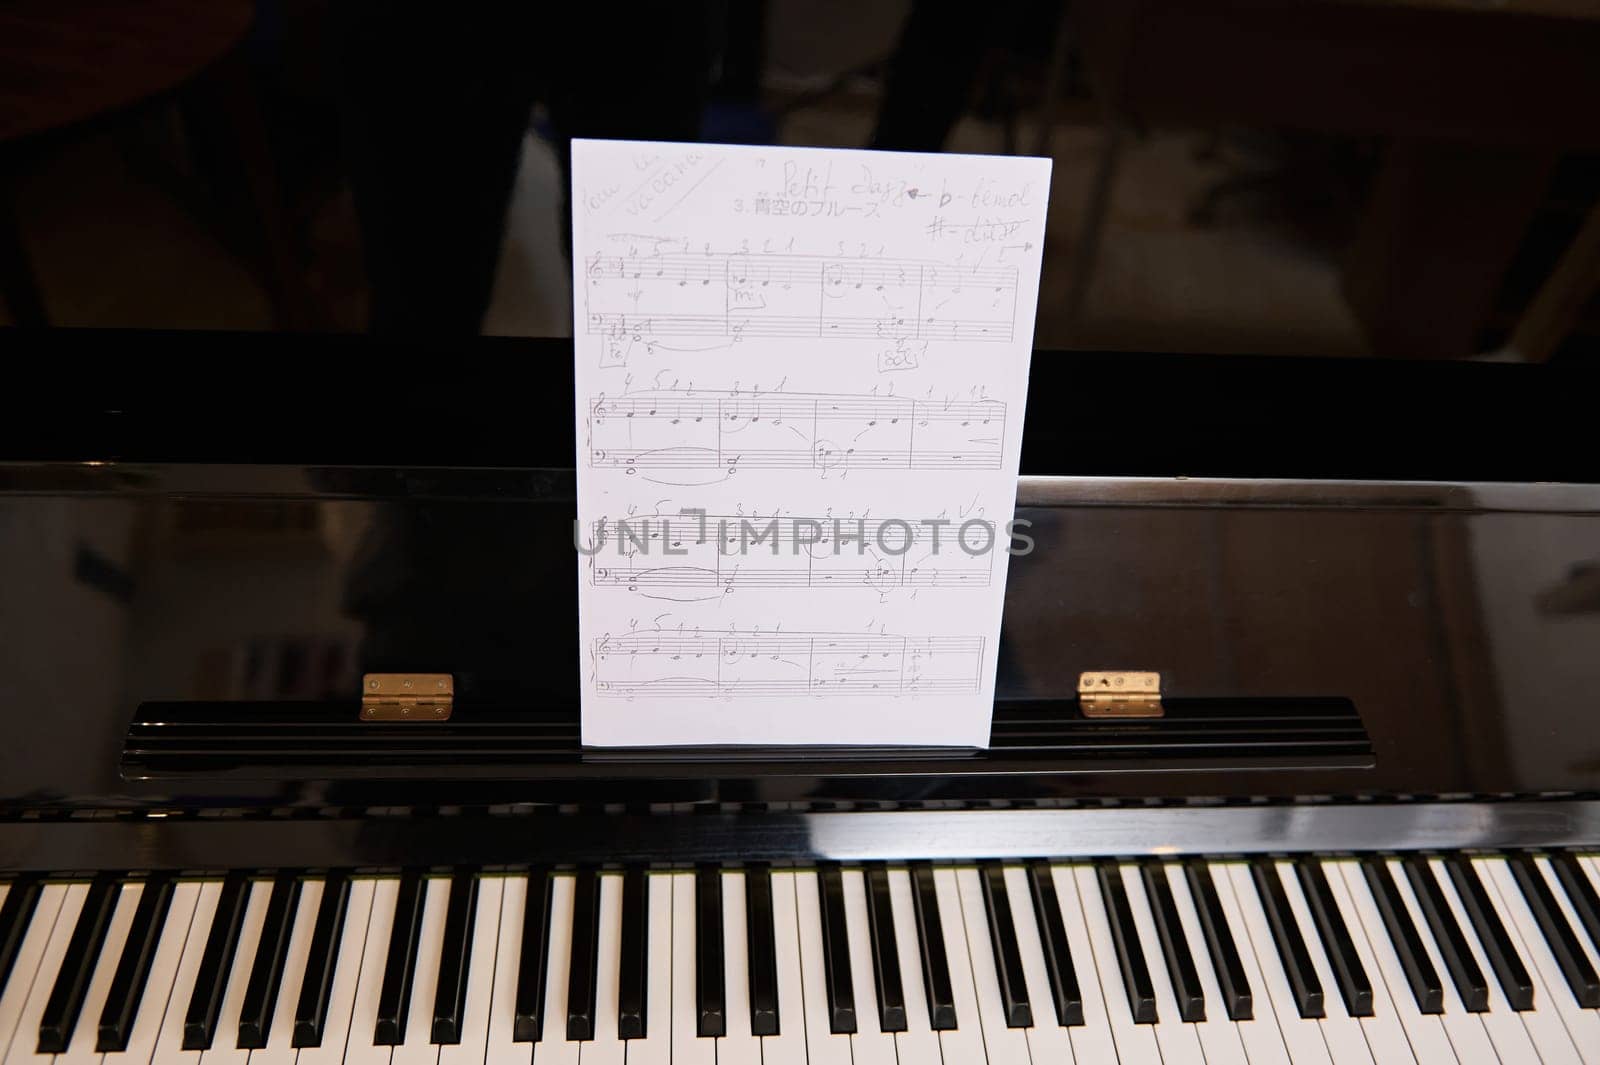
[(171, 946), (1424, 1032), (607, 1047), (1567, 910), (554, 1047), (1134, 1042), (1003, 1044), (169, 1042), (964, 1042), (1092, 1041), (736, 1046), (346, 976), (1464, 1029), (1263, 1030), (788, 1047), (25, 1029), (1513, 1039), (687, 1046), (1347, 1043), (1386, 1036), (823, 1046), (280, 1035), (1591, 863), (919, 1042), (656, 1046), (224, 1049), (1302, 1036), (359, 1047), (1551, 991), (419, 1047), (871, 1045), (500, 1046), (1222, 1040), (30, 956), (80, 1046), (473, 1048), (1048, 1040), (1177, 1039)]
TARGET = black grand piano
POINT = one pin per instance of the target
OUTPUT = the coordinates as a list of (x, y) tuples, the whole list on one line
[(1358, 822)]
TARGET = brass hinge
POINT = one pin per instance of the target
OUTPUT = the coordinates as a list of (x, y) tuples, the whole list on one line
[(1109, 693), (407, 696)]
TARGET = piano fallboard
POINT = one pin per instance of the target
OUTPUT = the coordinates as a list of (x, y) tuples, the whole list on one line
[(394, 838)]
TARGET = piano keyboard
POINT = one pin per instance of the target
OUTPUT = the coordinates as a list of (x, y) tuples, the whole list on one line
[(1340, 960)]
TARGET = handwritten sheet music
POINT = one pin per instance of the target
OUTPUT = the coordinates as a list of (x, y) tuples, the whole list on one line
[(800, 382)]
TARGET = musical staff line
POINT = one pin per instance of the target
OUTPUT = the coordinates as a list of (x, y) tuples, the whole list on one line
[(689, 664), (741, 551), (783, 295), (732, 431)]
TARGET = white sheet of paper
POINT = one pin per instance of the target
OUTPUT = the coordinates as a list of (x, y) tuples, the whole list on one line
[(801, 375)]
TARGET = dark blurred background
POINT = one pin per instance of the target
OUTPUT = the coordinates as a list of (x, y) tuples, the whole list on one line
[(1393, 178)]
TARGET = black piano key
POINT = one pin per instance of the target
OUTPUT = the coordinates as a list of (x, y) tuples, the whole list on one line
[(1403, 936), (710, 1002), (763, 950), (930, 944), (211, 982), (316, 987), (266, 975), (885, 952), (455, 956), (1058, 967), (1580, 892), (1125, 937), (399, 967), (1007, 953), (1558, 934), (72, 982), (533, 965), (15, 916), (633, 979), (1497, 944), (1174, 945), (1292, 952), (1231, 979), (133, 968), (585, 955), (1354, 985), (1447, 935), (836, 952)]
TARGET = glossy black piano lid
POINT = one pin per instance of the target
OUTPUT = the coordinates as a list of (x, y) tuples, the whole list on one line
[(337, 399), (431, 529)]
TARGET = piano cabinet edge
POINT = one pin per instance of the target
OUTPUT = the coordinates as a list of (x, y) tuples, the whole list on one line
[(512, 841)]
